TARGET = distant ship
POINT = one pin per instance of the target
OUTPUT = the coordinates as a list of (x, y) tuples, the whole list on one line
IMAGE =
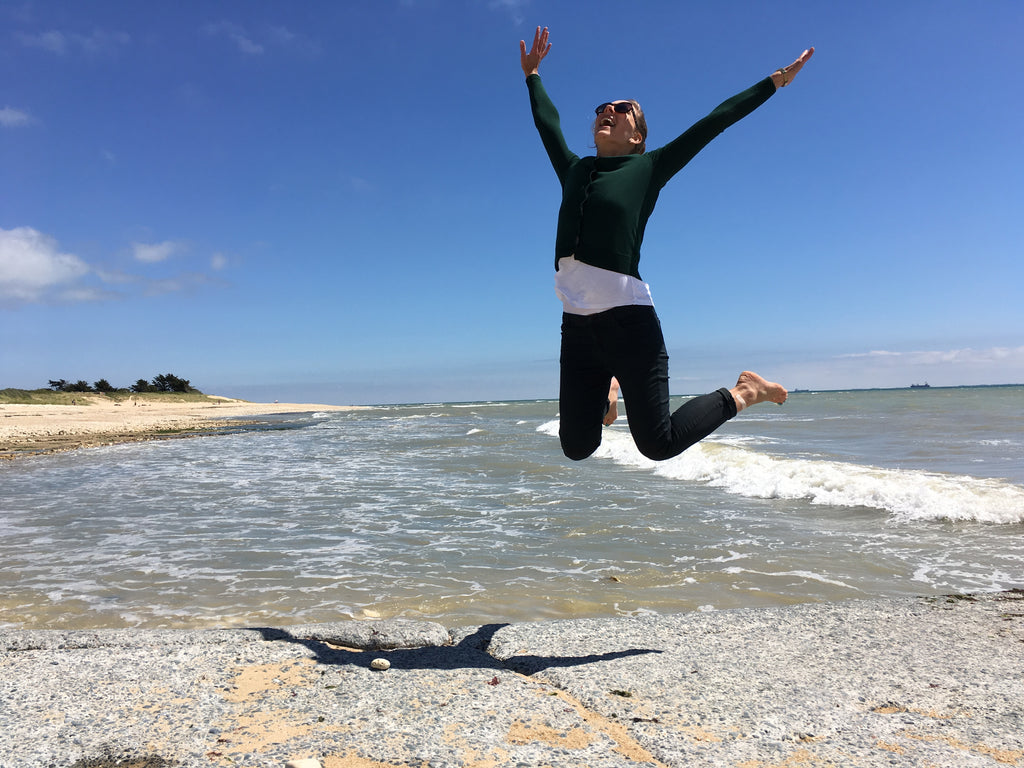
[(926, 385)]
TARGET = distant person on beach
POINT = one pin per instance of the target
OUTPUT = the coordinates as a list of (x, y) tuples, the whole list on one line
[(609, 326)]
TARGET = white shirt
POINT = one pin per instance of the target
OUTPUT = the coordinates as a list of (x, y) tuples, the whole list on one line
[(587, 290)]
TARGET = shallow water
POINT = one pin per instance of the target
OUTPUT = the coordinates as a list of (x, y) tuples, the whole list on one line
[(468, 514)]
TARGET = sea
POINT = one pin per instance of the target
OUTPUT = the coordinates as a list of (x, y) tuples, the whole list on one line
[(468, 514)]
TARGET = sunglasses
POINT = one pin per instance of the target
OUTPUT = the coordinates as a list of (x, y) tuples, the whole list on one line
[(622, 107)]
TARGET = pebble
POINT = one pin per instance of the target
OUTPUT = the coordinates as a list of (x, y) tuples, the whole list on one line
[(381, 664), (305, 762)]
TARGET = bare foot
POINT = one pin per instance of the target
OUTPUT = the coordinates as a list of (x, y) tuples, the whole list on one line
[(613, 403), (612, 413), (752, 389)]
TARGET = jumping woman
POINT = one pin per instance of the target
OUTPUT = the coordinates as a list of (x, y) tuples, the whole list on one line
[(609, 326)]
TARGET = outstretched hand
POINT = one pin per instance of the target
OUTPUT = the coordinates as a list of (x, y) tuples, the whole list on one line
[(541, 46), (783, 77)]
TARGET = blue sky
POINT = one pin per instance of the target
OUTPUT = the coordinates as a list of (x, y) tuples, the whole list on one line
[(347, 202)]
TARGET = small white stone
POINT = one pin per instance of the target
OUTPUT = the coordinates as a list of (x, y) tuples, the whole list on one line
[(305, 762), (380, 664)]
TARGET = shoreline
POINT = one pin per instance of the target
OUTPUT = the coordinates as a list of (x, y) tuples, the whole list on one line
[(34, 430)]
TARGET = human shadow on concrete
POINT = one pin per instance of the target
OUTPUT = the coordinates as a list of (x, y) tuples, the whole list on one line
[(468, 653), (531, 665)]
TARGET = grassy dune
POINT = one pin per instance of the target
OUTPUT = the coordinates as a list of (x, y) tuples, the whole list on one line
[(49, 397)]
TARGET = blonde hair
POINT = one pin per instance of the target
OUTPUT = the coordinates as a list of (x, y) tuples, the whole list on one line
[(641, 126), (638, 120)]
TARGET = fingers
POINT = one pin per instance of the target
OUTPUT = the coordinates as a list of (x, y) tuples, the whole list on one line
[(540, 38), (531, 59), (801, 60), (537, 37), (541, 46), (784, 77), (536, 43)]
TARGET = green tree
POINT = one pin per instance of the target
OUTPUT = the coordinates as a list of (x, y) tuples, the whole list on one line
[(79, 386), (141, 386), (168, 382), (58, 385), (102, 386)]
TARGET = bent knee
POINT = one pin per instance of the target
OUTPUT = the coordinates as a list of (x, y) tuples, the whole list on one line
[(658, 451), (577, 454), (579, 451)]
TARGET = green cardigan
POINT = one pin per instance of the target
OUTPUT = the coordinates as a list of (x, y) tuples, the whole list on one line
[(606, 201)]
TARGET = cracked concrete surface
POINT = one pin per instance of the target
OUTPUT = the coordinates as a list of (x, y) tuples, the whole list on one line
[(918, 682)]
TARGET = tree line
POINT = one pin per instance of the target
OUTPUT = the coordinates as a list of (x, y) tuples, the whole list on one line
[(165, 382)]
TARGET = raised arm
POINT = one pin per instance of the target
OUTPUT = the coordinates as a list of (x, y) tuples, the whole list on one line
[(670, 158), (545, 116), (784, 76), (531, 60)]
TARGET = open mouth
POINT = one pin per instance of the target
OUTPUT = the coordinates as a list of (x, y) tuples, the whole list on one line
[(607, 121)]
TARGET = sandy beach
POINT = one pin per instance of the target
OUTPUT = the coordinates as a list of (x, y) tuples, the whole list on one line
[(95, 420)]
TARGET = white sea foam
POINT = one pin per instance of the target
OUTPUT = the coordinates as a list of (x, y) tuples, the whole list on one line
[(729, 558), (549, 428), (941, 574), (907, 495), (803, 574)]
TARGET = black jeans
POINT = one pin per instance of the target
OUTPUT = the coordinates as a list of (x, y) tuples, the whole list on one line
[(627, 343)]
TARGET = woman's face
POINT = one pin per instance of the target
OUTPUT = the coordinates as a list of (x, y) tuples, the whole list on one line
[(615, 132)]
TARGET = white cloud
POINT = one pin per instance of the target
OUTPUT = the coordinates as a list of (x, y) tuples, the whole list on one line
[(31, 265), (151, 253), (52, 41), (34, 270), (116, 277), (514, 7), (184, 282), (966, 356), (60, 43), (13, 118), (876, 353), (101, 41), (969, 356), (247, 43), (83, 293), (359, 184), (883, 368), (284, 37), (236, 34)]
